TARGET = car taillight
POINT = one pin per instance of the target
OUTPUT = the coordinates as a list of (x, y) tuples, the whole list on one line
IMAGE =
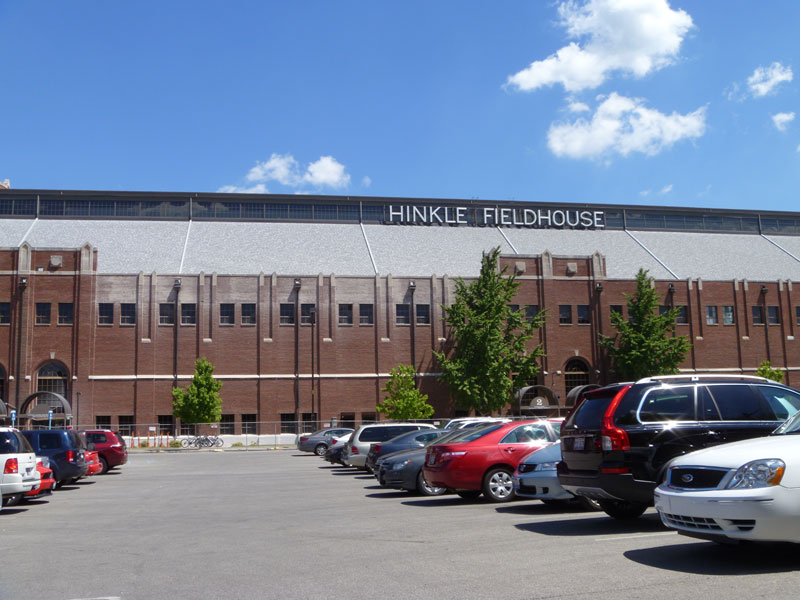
[(612, 437), (450, 454), (12, 466), (376, 448), (303, 439), (116, 445), (70, 456), (354, 450)]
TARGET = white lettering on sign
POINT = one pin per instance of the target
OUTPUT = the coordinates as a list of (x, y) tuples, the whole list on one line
[(495, 216)]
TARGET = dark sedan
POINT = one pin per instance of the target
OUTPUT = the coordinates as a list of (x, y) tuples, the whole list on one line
[(404, 441), (319, 441)]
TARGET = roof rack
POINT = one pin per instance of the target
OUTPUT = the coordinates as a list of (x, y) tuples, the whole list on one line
[(700, 376)]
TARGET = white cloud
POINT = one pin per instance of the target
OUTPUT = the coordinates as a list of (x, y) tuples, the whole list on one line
[(327, 171), (621, 126), (632, 37), (644, 193), (366, 181), (282, 168), (577, 107), (666, 189), (259, 188), (765, 79), (782, 120)]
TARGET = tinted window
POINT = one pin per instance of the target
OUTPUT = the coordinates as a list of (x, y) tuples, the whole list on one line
[(589, 414), (783, 402), (479, 433), (380, 434), (96, 438), (707, 409), (739, 403), (49, 441), (12, 442), (668, 404), (526, 434)]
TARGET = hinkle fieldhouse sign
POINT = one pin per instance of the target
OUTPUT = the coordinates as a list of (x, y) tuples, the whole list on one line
[(496, 216)]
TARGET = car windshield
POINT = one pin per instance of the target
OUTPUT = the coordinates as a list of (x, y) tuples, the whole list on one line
[(791, 426)]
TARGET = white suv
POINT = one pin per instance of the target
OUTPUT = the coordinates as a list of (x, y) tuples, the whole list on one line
[(18, 473)]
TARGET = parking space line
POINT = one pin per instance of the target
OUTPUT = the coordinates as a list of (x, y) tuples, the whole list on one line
[(633, 537)]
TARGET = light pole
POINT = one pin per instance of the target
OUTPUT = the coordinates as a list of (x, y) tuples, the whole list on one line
[(23, 283), (297, 356), (313, 317), (412, 286)]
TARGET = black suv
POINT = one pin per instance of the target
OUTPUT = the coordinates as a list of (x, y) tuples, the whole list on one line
[(616, 443), (64, 448)]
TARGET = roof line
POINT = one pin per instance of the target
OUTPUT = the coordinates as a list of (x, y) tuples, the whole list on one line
[(369, 250), (777, 245), (646, 249), (185, 245), (27, 233), (507, 240)]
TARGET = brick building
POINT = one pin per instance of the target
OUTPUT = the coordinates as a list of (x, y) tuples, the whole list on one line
[(303, 304)]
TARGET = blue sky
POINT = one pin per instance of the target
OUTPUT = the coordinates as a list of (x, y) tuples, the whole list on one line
[(606, 101)]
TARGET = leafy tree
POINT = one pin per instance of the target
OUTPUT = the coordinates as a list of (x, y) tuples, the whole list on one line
[(403, 400), (491, 359), (645, 344), (765, 370), (200, 402)]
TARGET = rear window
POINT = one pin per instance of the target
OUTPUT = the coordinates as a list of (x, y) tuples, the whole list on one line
[(783, 402), (96, 438), (381, 434), (589, 414), (49, 441), (12, 442), (478, 433), (739, 403)]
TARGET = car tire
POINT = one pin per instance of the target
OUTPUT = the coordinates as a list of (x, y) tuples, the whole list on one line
[(320, 449), (622, 509), (428, 490), (104, 464), (498, 485), (468, 494)]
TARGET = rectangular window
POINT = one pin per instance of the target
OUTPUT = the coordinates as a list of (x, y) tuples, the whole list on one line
[(166, 314), (287, 314), (402, 314), (565, 314), (127, 314), (369, 417), (531, 311), (249, 423), (105, 313), (43, 313), (773, 316), (663, 309), (288, 424), (584, 317), (102, 422), (682, 317), (308, 314), (166, 424), (226, 425), (126, 424), (227, 314), (616, 308), (5, 313), (423, 314), (514, 307), (727, 315), (188, 429), (711, 315), (758, 315), (797, 314), (365, 314), (66, 313), (345, 314), (188, 314), (309, 422), (248, 314)]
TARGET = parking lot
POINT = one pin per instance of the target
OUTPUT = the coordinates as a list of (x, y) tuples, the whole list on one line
[(281, 524)]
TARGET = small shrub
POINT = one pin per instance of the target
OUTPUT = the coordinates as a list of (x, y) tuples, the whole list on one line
[(174, 443), (143, 444), (254, 443), (237, 445)]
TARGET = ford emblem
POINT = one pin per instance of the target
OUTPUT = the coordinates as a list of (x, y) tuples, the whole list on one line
[(687, 478)]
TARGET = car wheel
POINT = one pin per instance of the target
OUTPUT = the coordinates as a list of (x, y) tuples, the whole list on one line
[(320, 450), (428, 490), (469, 494), (622, 509), (498, 486), (589, 503), (104, 464)]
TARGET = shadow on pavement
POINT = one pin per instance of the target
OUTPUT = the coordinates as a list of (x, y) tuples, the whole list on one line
[(708, 558), (533, 508), (386, 495), (600, 524)]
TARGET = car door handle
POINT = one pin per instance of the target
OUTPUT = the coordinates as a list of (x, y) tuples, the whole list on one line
[(510, 449)]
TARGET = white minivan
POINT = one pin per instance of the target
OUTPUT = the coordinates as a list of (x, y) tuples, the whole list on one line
[(18, 474)]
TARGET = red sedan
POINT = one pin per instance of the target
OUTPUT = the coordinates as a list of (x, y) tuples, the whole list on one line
[(484, 461), (46, 484)]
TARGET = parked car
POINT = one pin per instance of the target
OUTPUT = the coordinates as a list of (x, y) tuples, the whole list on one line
[(404, 441), (461, 422), (484, 460), (335, 454), (536, 477), (111, 447), (355, 453), (748, 490), (319, 441), (617, 442), (46, 483), (18, 475), (65, 450), (403, 470)]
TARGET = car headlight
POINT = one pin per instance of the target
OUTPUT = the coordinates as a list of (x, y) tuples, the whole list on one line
[(399, 465), (548, 466), (758, 474)]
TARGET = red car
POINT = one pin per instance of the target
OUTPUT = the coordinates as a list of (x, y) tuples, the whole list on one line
[(93, 460), (47, 483), (110, 445), (484, 461)]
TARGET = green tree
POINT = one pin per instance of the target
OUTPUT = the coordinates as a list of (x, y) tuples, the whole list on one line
[(403, 400), (645, 344), (200, 402), (490, 359), (765, 370)]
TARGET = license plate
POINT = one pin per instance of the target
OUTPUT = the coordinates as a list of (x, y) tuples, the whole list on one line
[(431, 460), (578, 443)]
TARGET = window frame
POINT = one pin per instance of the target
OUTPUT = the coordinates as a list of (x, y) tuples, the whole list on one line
[(345, 315), (105, 320), (422, 314), (166, 313), (286, 314), (189, 316), (248, 317), (366, 318), (226, 319), (565, 314), (124, 307), (42, 315)]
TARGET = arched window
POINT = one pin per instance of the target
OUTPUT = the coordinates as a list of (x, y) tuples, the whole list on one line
[(576, 372), (52, 377)]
